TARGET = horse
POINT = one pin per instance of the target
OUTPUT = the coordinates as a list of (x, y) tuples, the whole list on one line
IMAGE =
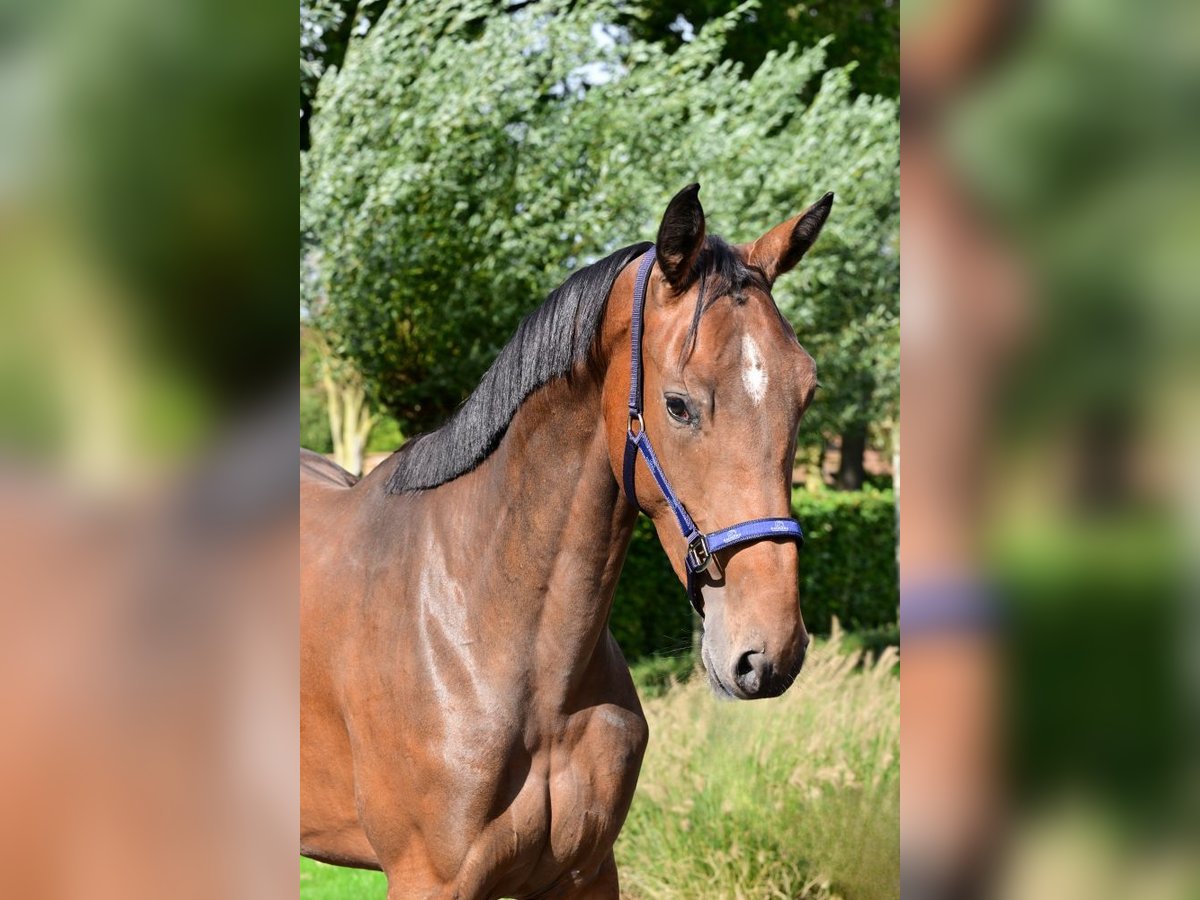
[(468, 723)]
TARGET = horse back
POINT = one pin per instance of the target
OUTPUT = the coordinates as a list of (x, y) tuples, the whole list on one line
[(316, 468)]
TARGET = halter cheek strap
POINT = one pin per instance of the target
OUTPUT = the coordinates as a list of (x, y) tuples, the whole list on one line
[(700, 547)]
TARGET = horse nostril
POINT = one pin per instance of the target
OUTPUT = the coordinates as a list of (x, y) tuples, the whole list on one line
[(752, 670)]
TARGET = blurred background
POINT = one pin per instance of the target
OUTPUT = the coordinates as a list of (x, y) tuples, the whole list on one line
[(1049, 503)]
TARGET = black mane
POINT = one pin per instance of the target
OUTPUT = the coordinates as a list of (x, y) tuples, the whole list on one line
[(549, 343)]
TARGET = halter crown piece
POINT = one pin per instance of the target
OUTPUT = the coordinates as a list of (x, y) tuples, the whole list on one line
[(700, 547)]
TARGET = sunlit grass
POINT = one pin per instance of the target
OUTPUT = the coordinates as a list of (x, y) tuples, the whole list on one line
[(319, 881), (788, 798), (794, 797)]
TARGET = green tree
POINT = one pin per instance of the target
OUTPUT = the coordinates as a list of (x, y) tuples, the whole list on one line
[(325, 30), (315, 433), (867, 32), (463, 164), (318, 422)]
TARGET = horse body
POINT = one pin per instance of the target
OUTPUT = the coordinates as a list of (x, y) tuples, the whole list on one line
[(468, 724), (509, 767)]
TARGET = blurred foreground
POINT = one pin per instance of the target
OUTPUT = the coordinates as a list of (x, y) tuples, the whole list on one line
[(1049, 488), (147, 536)]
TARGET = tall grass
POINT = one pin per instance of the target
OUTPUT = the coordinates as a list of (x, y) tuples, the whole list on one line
[(790, 798), (787, 798)]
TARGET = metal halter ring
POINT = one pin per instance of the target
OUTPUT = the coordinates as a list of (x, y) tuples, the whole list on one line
[(698, 557)]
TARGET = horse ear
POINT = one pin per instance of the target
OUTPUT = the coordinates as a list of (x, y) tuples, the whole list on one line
[(782, 247), (680, 237)]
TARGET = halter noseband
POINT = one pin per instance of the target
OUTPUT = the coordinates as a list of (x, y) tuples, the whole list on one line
[(701, 547)]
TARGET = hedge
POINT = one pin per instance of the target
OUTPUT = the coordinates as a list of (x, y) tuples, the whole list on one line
[(848, 565), (847, 569)]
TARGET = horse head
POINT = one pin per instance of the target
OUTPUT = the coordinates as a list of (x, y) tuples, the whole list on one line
[(724, 384)]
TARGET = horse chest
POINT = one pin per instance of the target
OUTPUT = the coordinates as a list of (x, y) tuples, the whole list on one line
[(555, 813), (594, 769)]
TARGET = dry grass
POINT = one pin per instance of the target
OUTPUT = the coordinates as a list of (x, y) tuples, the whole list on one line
[(795, 797)]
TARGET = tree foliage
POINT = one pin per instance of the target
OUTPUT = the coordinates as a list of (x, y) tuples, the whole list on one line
[(463, 162), (326, 27), (867, 31)]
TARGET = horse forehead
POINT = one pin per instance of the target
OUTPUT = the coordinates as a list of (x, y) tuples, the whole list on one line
[(749, 340)]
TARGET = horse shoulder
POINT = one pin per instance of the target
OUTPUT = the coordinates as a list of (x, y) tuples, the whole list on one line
[(595, 767)]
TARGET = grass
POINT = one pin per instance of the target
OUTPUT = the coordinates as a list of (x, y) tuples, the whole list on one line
[(790, 798), (319, 881)]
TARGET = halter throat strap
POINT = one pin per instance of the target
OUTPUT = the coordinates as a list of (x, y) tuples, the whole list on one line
[(700, 546)]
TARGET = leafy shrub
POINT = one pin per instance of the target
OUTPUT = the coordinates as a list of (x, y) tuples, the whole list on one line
[(655, 675), (873, 641), (314, 413), (314, 422), (386, 436), (651, 613), (848, 565), (847, 569)]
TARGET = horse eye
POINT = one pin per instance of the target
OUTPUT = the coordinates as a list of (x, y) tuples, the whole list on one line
[(678, 409)]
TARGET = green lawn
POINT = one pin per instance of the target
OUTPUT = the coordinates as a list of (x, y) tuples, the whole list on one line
[(321, 882), (789, 798)]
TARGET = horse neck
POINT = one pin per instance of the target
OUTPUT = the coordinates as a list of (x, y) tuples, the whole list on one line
[(564, 527), (552, 529), (517, 561)]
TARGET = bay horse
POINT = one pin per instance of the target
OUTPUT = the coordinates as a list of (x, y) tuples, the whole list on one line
[(468, 723)]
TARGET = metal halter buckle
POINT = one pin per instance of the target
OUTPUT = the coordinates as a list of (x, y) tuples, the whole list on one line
[(698, 556), (641, 426)]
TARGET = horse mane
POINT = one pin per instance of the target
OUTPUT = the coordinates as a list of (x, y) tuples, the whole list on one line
[(549, 343)]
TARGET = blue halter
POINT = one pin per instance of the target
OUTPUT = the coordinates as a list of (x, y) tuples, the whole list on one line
[(700, 547)]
